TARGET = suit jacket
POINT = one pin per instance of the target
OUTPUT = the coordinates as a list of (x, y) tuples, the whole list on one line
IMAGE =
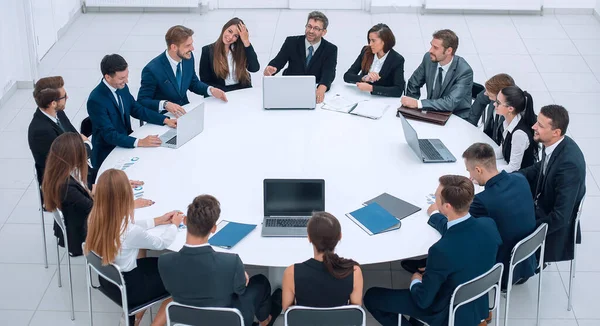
[(465, 251), (76, 206), (391, 73), (41, 133), (322, 65), (201, 277), (506, 199), (456, 89), (484, 108), (159, 83), (207, 73), (111, 128), (560, 194)]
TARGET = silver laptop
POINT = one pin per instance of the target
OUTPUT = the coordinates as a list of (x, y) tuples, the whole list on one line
[(428, 150), (289, 92), (188, 126), (289, 204)]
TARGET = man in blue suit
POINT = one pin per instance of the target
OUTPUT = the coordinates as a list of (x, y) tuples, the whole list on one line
[(466, 250), (110, 106), (167, 78)]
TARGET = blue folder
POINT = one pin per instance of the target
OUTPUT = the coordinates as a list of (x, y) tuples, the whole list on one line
[(231, 234), (374, 219)]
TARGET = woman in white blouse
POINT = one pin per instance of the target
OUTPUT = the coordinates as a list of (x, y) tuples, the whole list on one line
[(379, 69), (114, 235), (518, 149)]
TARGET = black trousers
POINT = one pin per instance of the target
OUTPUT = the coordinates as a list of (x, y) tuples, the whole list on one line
[(256, 300), (386, 304)]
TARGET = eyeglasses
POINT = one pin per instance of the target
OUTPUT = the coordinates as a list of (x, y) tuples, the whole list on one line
[(62, 97), (309, 27)]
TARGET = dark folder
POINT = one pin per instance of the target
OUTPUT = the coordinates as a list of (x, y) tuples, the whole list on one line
[(435, 117), (396, 206)]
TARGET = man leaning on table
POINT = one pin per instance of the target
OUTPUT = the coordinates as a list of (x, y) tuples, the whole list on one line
[(308, 54), (167, 78), (448, 78)]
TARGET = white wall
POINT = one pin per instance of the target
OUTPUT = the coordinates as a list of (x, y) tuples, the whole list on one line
[(598, 8), (547, 3), (63, 11)]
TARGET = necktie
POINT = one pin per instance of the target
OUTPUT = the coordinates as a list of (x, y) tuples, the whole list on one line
[(541, 177), (120, 105), (178, 76), (437, 91), (310, 54), (60, 125), (498, 129)]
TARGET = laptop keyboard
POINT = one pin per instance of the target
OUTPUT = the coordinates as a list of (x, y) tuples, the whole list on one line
[(286, 222), (172, 141), (428, 150)]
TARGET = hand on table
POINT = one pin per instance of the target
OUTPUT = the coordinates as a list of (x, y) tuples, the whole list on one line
[(371, 77), (135, 183), (433, 207), (409, 102), (141, 203), (321, 93), (270, 71), (170, 122), (365, 87), (177, 218), (217, 93), (150, 141), (175, 108)]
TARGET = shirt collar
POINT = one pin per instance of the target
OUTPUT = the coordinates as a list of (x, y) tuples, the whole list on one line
[(315, 46), (197, 246), (112, 89), (171, 61), (552, 147), (513, 124), (382, 58), (458, 220), (54, 119), (446, 66)]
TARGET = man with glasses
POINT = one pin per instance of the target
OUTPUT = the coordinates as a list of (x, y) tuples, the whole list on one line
[(49, 120), (308, 54)]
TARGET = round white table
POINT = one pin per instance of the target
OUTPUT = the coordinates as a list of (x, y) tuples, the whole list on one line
[(358, 158)]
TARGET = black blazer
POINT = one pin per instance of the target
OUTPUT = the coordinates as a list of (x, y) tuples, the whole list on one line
[(478, 110), (322, 65), (41, 133), (392, 74), (76, 206), (560, 194), (207, 73)]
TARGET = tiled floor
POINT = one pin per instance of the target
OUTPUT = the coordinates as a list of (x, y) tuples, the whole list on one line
[(556, 58)]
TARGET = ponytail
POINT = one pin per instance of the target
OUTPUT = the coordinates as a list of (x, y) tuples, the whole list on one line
[(530, 118), (337, 266)]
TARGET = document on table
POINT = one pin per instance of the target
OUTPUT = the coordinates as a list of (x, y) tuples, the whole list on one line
[(356, 106)]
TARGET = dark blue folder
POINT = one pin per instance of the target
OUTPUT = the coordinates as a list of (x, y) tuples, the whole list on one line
[(231, 234), (374, 219)]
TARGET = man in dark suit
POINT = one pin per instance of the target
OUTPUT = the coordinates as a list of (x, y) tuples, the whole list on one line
[(308, 54), (483, 107), (557, 182), (201, 277), (448, 78), (167, 78), (466, 250), (49, 120), (110, 106)]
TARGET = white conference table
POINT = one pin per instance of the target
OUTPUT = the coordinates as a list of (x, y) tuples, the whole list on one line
[(358, 158)]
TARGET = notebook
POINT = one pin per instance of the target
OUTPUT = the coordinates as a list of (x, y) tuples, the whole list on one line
[(230, 233), (435, 117), (373, 219), (356, 106), (395, 206)]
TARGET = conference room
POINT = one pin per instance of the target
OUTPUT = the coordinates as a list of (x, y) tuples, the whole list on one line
[(305, 128)]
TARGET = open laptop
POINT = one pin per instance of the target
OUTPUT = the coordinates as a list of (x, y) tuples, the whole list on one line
[(188, 126), (289, 92), (289, 204), (428, 150)]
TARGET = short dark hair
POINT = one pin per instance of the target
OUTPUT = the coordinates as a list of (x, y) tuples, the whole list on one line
[(482, 154), (46, 90), (558, 115), (111, 64), (318, 16), (458, 191), (177, 35), (202, 215), (449, 39)]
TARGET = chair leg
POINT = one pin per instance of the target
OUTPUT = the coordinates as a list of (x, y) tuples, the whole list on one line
[(571, 277), (508, 289), (539, 296), (58, 264), (70, 286), (44, 238), (88, 278)]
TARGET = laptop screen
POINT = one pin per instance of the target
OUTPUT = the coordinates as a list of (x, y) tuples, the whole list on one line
[(293, 197), (411, 136)]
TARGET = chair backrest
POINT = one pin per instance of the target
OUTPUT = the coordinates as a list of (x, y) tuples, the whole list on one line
[(528, 246), (477, 88), (478, 287), (350, 315), (86, 127), (579, 210), (196, 316), (60, 220), (110, 272)]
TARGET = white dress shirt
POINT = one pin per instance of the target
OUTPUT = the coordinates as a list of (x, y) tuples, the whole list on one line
[(378, 63), (231, 79), (519, 144), (445, 69), (307, 45), (174, 64), (114, 93), (135, 237), (549, 150), (197, 246)]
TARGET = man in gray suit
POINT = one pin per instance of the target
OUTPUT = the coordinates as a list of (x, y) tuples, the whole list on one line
[(201, 277), (448, 78)]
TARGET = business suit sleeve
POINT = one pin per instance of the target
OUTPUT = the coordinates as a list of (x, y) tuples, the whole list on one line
[(42, 138), (282, 56), (458, 91), (352, 76), (141, 113), (251, 59), (531, 174), (567, 180), (477, 208), (148, 89), (424, 293), (478, 107), (398, 88), (196, 85), (79, 202), (100, 118), (329, 67), (239, 277), (416, 81), (439, 222), (206, 69)]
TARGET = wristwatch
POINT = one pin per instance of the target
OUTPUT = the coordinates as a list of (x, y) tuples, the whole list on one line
[(165, 105)]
